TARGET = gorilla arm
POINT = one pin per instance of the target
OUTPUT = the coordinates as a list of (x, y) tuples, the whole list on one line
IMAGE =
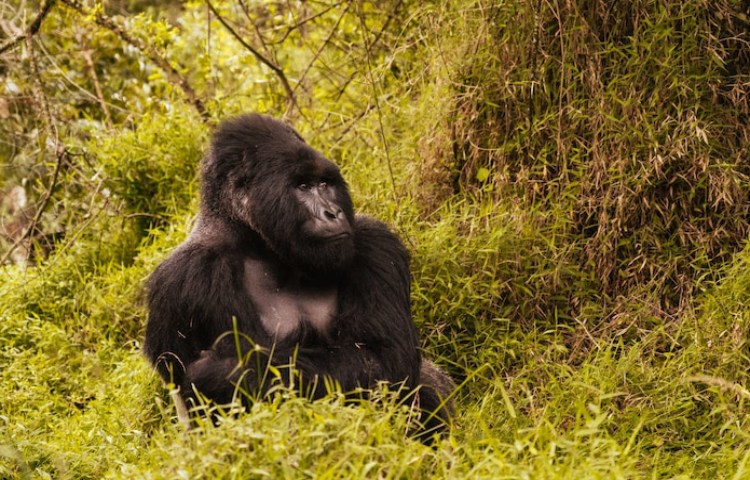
[(193, 298)]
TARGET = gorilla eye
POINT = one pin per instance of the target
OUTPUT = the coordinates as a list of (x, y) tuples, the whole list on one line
[(303, 186), (323, 185)]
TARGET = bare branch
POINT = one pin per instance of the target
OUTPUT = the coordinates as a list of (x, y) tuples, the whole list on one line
[(291, 99), (375, 93), (64, 75), (34, 27), (172, 74), (353, 75), (60, 153), (305, 20), (322, 47), (90, 66)]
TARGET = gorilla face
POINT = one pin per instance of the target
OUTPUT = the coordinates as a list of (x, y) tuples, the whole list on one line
[(304, 212), (326, 221), (261, 173)]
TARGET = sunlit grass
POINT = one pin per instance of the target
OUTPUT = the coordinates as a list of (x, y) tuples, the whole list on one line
[(81, 403), (576, 256)]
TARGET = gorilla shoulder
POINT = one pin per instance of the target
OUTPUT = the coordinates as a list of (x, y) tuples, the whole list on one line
[(374, 241)]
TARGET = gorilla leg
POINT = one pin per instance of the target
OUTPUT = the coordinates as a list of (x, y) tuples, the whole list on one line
[(435, 400), (218, 378)]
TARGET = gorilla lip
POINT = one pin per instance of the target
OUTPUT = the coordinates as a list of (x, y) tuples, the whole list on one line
[(339, 236)]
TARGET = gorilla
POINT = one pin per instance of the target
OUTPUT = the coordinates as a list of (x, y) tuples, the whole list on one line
[(280, 283)]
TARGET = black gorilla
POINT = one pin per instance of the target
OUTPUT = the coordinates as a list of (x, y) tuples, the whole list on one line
[(279, 271)]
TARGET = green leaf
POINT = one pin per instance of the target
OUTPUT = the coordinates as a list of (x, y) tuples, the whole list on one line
[(483, 174)]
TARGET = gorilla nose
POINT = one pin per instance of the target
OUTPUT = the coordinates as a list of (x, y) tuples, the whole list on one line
[(332, 213)]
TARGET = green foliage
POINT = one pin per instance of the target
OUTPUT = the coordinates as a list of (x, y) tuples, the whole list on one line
[(631, 116), (571, 179), (152, 168)]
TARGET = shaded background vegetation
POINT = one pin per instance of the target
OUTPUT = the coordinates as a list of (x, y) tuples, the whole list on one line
[(572, 179)]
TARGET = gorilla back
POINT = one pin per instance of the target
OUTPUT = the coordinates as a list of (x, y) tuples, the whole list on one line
[(278, 271)]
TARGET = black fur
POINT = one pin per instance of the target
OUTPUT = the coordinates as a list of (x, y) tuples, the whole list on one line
[(340, 280)]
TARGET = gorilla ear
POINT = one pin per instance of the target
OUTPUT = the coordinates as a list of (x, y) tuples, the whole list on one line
[(239, 200)]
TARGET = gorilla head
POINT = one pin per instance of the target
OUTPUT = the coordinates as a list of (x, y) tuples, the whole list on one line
[(262, 176)]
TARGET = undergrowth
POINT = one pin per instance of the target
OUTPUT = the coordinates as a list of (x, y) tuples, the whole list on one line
[(571, 180)]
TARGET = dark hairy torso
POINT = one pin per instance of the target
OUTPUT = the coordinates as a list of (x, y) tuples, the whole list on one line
[(224, 290), (286, 302)]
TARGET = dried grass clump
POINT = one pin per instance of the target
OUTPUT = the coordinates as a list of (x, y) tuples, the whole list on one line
[(630, 117)]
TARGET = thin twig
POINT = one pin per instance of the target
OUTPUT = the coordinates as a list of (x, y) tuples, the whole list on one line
[(62, 72), (72, 239), (172, 74), (305, 20), (95, 79), (60, 153), (377, 101), (353, 122), (34, 27), (262, 40), (348, 81), (260, 57), (322, 47)]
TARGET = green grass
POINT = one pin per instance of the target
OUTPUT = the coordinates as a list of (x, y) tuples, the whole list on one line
[(81, 402), (571, 180)]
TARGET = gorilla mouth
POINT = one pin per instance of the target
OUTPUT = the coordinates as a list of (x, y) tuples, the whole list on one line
[(337, 236)]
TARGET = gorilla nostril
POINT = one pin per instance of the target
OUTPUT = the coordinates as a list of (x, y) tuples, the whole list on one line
[(332, 212)]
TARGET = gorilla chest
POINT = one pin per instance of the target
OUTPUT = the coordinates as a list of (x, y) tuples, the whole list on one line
[(286, 305)]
